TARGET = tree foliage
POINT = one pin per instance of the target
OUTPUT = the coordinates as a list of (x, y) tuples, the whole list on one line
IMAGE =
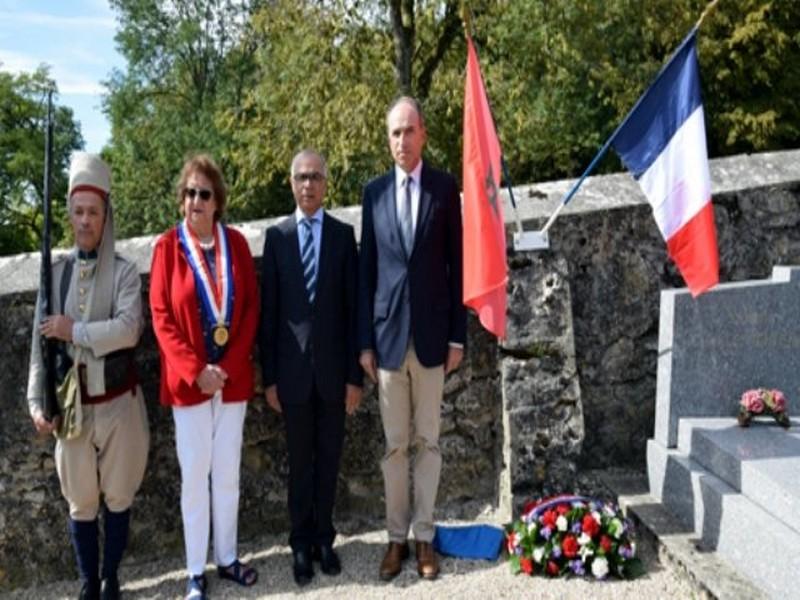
[(23, 111), (254, 82), (562, 84), (188, 61)]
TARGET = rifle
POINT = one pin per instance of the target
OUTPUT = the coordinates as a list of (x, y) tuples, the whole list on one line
[(50, 348)]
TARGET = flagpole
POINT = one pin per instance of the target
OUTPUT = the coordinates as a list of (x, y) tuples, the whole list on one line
[(578, 183), (707, 10), (510, 190), (466, 18)]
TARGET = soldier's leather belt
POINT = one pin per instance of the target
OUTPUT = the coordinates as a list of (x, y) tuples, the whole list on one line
[(120, 373)]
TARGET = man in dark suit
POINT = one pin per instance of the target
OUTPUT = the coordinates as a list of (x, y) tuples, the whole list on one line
[(309, 355), (412, 325)]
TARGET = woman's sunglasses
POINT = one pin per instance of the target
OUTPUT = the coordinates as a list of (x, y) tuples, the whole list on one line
[(205, 195)]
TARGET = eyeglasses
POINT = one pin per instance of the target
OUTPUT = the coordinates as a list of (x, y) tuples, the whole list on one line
[(314, 177), (205, 195)]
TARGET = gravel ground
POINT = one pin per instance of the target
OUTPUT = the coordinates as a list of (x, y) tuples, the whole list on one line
[(361, 554)]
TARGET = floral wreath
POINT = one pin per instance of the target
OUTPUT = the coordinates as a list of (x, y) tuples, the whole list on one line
[(762, 401), (572, 535)]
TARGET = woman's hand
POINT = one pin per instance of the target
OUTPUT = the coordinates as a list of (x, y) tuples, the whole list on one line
[(211, 379)]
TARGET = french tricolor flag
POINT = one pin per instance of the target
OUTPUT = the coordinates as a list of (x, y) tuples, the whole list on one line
[(663, 143)]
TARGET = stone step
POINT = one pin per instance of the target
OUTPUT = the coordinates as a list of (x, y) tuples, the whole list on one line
[(710, 576), (762, 462), (761, 547)]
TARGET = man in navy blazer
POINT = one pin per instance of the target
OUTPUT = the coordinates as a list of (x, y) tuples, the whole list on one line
[(412, 325), (309, 355)]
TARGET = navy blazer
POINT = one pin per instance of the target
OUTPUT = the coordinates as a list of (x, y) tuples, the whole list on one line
[(301, 343), (421, 294)]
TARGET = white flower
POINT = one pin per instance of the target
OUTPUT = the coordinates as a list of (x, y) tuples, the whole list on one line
[(561, 523), (599, 567), (538, 553), (608, 510), (532, 527), (597, 517), (585, 552), (584, 539)]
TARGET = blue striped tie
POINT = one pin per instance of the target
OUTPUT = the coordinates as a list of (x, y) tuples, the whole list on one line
[(309, 260)]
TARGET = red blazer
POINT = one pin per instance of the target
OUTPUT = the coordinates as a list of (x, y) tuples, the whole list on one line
[(176, 322)]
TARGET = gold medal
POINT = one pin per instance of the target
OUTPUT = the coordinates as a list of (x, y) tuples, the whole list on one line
[(220, 335)]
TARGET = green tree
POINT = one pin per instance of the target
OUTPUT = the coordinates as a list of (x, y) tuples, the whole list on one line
[(319, 85), (186, 61), (254, 82), (563, 74), (326, 72), (23, 110), (750, 56)]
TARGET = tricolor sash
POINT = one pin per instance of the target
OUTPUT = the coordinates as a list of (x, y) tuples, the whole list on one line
[(216, 295)]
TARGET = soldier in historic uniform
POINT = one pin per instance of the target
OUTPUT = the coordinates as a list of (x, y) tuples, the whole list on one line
[(102, 436)]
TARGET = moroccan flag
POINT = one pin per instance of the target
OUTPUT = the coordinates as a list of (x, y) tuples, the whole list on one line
[(485, 269), (663, 143)]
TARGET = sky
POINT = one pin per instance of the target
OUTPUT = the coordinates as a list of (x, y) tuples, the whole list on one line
[(76, 39)]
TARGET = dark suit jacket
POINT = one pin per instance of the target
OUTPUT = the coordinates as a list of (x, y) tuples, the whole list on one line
[(302, 343), (418, 294)]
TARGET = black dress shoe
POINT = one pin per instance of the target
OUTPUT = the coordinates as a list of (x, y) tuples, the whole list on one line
[(302, 568), (109, 589), (90, 590), (329, 560)]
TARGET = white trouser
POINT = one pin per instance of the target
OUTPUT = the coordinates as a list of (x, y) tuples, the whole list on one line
[(208, 438)]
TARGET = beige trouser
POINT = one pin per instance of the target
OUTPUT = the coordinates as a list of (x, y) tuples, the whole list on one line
[(411, 393), (108, 457)]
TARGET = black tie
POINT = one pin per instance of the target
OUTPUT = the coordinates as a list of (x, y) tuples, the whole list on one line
[(309, 260)]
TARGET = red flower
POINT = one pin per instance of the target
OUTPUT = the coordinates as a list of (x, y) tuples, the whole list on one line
[(570, 546), (526, 564), (562, 509), (605, 543), (590, 526), (552, 568), (531, 504), (549, 518)]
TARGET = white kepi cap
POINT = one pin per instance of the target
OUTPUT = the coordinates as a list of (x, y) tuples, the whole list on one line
[(89, 172)]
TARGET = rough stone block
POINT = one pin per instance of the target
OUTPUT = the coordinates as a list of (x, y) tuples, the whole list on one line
[(712, 348), (540, 320), (539, 380)]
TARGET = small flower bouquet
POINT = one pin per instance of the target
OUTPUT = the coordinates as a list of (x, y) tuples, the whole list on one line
[(572, 535), (762, 401)]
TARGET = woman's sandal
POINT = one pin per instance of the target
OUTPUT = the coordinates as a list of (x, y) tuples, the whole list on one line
[(196, 587), (239, 572)]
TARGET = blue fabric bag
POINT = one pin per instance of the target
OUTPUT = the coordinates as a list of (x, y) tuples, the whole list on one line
[(470, 541)]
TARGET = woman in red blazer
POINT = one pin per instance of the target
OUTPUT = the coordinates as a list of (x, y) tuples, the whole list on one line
[(204, 301)]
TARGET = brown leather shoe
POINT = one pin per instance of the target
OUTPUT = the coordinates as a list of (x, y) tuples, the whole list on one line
[(427, 561), (392, 562)]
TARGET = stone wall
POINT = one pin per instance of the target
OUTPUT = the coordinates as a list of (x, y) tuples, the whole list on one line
[(572, 388)]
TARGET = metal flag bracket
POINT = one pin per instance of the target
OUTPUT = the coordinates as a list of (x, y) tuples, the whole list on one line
[(531, 240), (524, 240)]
